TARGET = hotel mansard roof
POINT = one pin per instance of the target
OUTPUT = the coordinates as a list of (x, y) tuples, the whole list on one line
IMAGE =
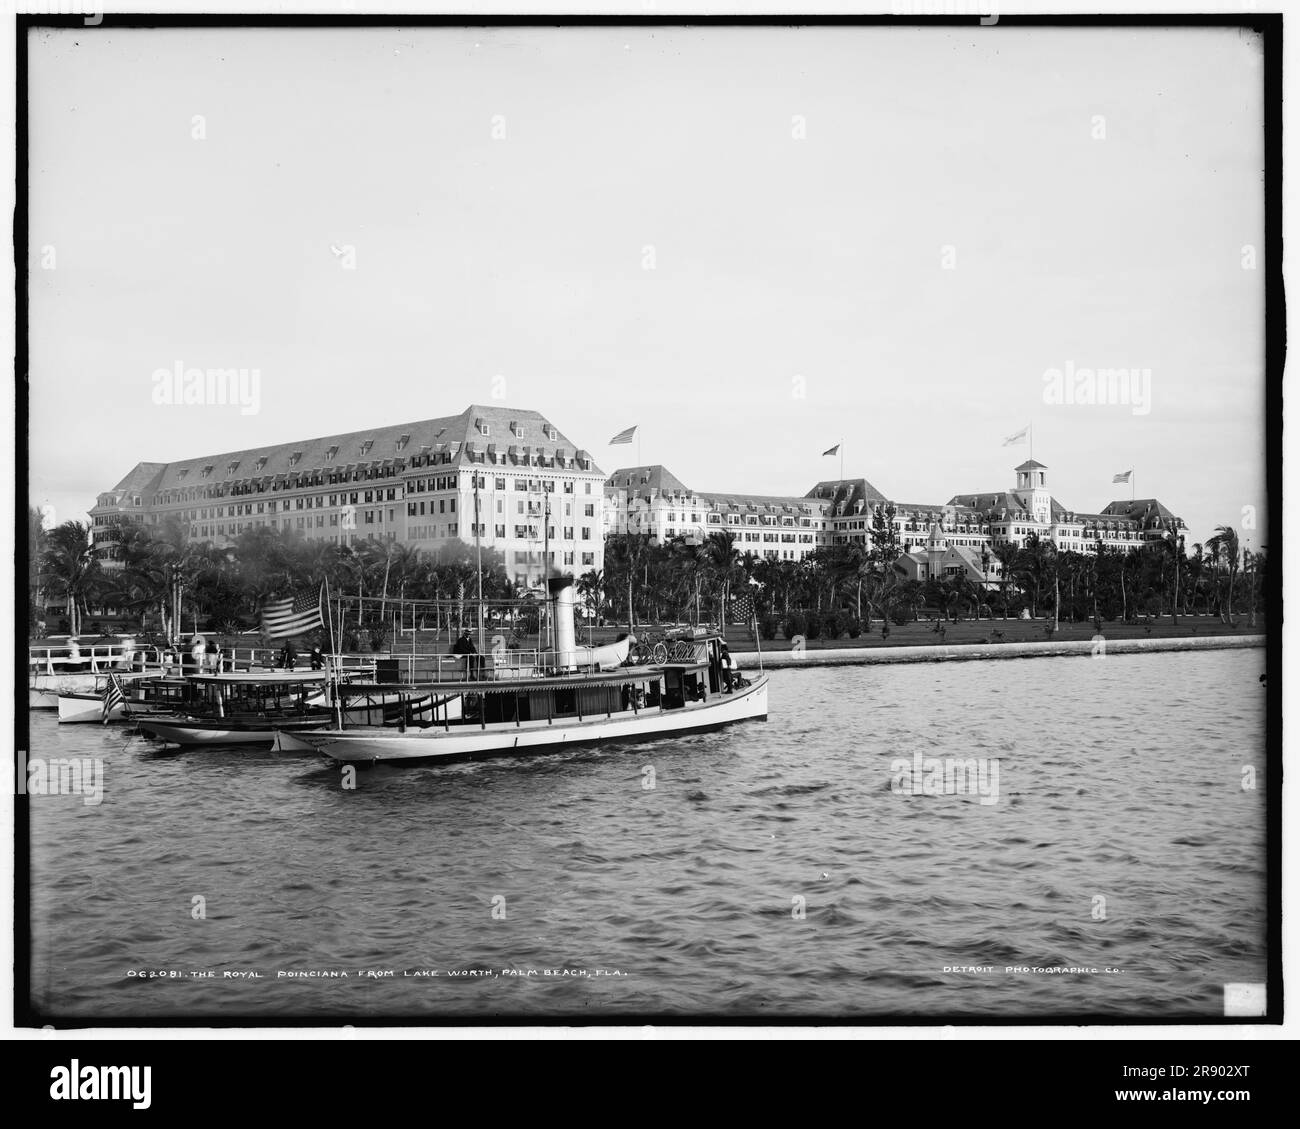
[(660, 479), (518, 437), (1147, 512), (652, 477), (847, 492)]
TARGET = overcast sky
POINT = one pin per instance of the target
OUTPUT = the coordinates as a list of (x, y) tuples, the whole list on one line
[(754, 243)]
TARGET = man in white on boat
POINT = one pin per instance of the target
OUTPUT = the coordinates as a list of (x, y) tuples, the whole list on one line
[(198, 648)]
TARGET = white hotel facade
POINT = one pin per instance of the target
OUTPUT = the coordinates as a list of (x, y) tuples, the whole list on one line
[(540, 495), (653, 501)]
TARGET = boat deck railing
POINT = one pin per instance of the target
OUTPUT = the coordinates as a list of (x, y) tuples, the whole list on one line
[(496, 666)]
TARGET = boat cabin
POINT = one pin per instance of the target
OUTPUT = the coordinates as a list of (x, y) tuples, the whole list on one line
[(257, 693)]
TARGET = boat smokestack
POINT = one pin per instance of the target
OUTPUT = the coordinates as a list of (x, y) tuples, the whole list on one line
[(560, 589)]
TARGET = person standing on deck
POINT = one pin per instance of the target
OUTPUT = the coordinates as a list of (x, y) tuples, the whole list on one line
[(465, 646)]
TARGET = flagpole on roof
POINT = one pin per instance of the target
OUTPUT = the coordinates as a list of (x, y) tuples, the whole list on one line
[(841, 460)]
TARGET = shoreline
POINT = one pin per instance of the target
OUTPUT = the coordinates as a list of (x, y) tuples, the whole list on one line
[(867, 656)]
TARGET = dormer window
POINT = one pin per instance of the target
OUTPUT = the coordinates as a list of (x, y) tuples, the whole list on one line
[(329, 455), (231, 467), (295, 458), (184, 472), (366, 444), (260, 463), (517, 428), (205, 472), (403, 441)]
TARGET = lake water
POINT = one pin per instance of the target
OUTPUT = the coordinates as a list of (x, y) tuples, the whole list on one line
[(773, 870)]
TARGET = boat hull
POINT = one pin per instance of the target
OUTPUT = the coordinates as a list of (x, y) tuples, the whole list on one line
[(82, 709), (457, 742), (187, 731), (43, 690)]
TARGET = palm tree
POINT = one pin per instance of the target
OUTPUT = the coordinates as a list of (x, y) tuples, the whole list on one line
[(35, 556), (1224, 547), (591, 588), (1006, 555), (719, 557), (1173, 546), (70, 567)]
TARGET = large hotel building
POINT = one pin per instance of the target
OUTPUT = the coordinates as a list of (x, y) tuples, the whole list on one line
[(539, 493), (544, 502), (936, 538)]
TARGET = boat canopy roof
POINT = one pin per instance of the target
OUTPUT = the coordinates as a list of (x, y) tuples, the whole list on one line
[(620, 677), (262, 677)]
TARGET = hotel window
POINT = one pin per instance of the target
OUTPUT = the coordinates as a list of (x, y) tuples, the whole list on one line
[(568, 533), (588, 558), (588, 488), (586, 533), (500, 483), (568, 558), (500, 530), (589, 510)]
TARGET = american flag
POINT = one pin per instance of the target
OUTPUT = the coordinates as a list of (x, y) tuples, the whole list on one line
[(282, 619), (742, 608), (1122, 477), (113, 697), (831, 451), (624, 436)]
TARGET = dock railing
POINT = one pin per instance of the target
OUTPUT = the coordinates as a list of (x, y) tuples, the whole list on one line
[(404, 668)]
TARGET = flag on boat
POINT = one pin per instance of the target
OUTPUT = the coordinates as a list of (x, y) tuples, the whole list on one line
[(1123, 477), (113, 697), (831, 451), (742, 608), (624, 436), (282, 619), (1018, 437)]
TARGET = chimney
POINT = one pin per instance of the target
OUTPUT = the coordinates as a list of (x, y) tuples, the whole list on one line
[(560, 589)]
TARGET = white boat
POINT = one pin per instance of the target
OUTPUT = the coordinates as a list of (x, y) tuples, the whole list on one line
[(143, 696), (69, 668), (249, 707), (657, 713), (559, 702)]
